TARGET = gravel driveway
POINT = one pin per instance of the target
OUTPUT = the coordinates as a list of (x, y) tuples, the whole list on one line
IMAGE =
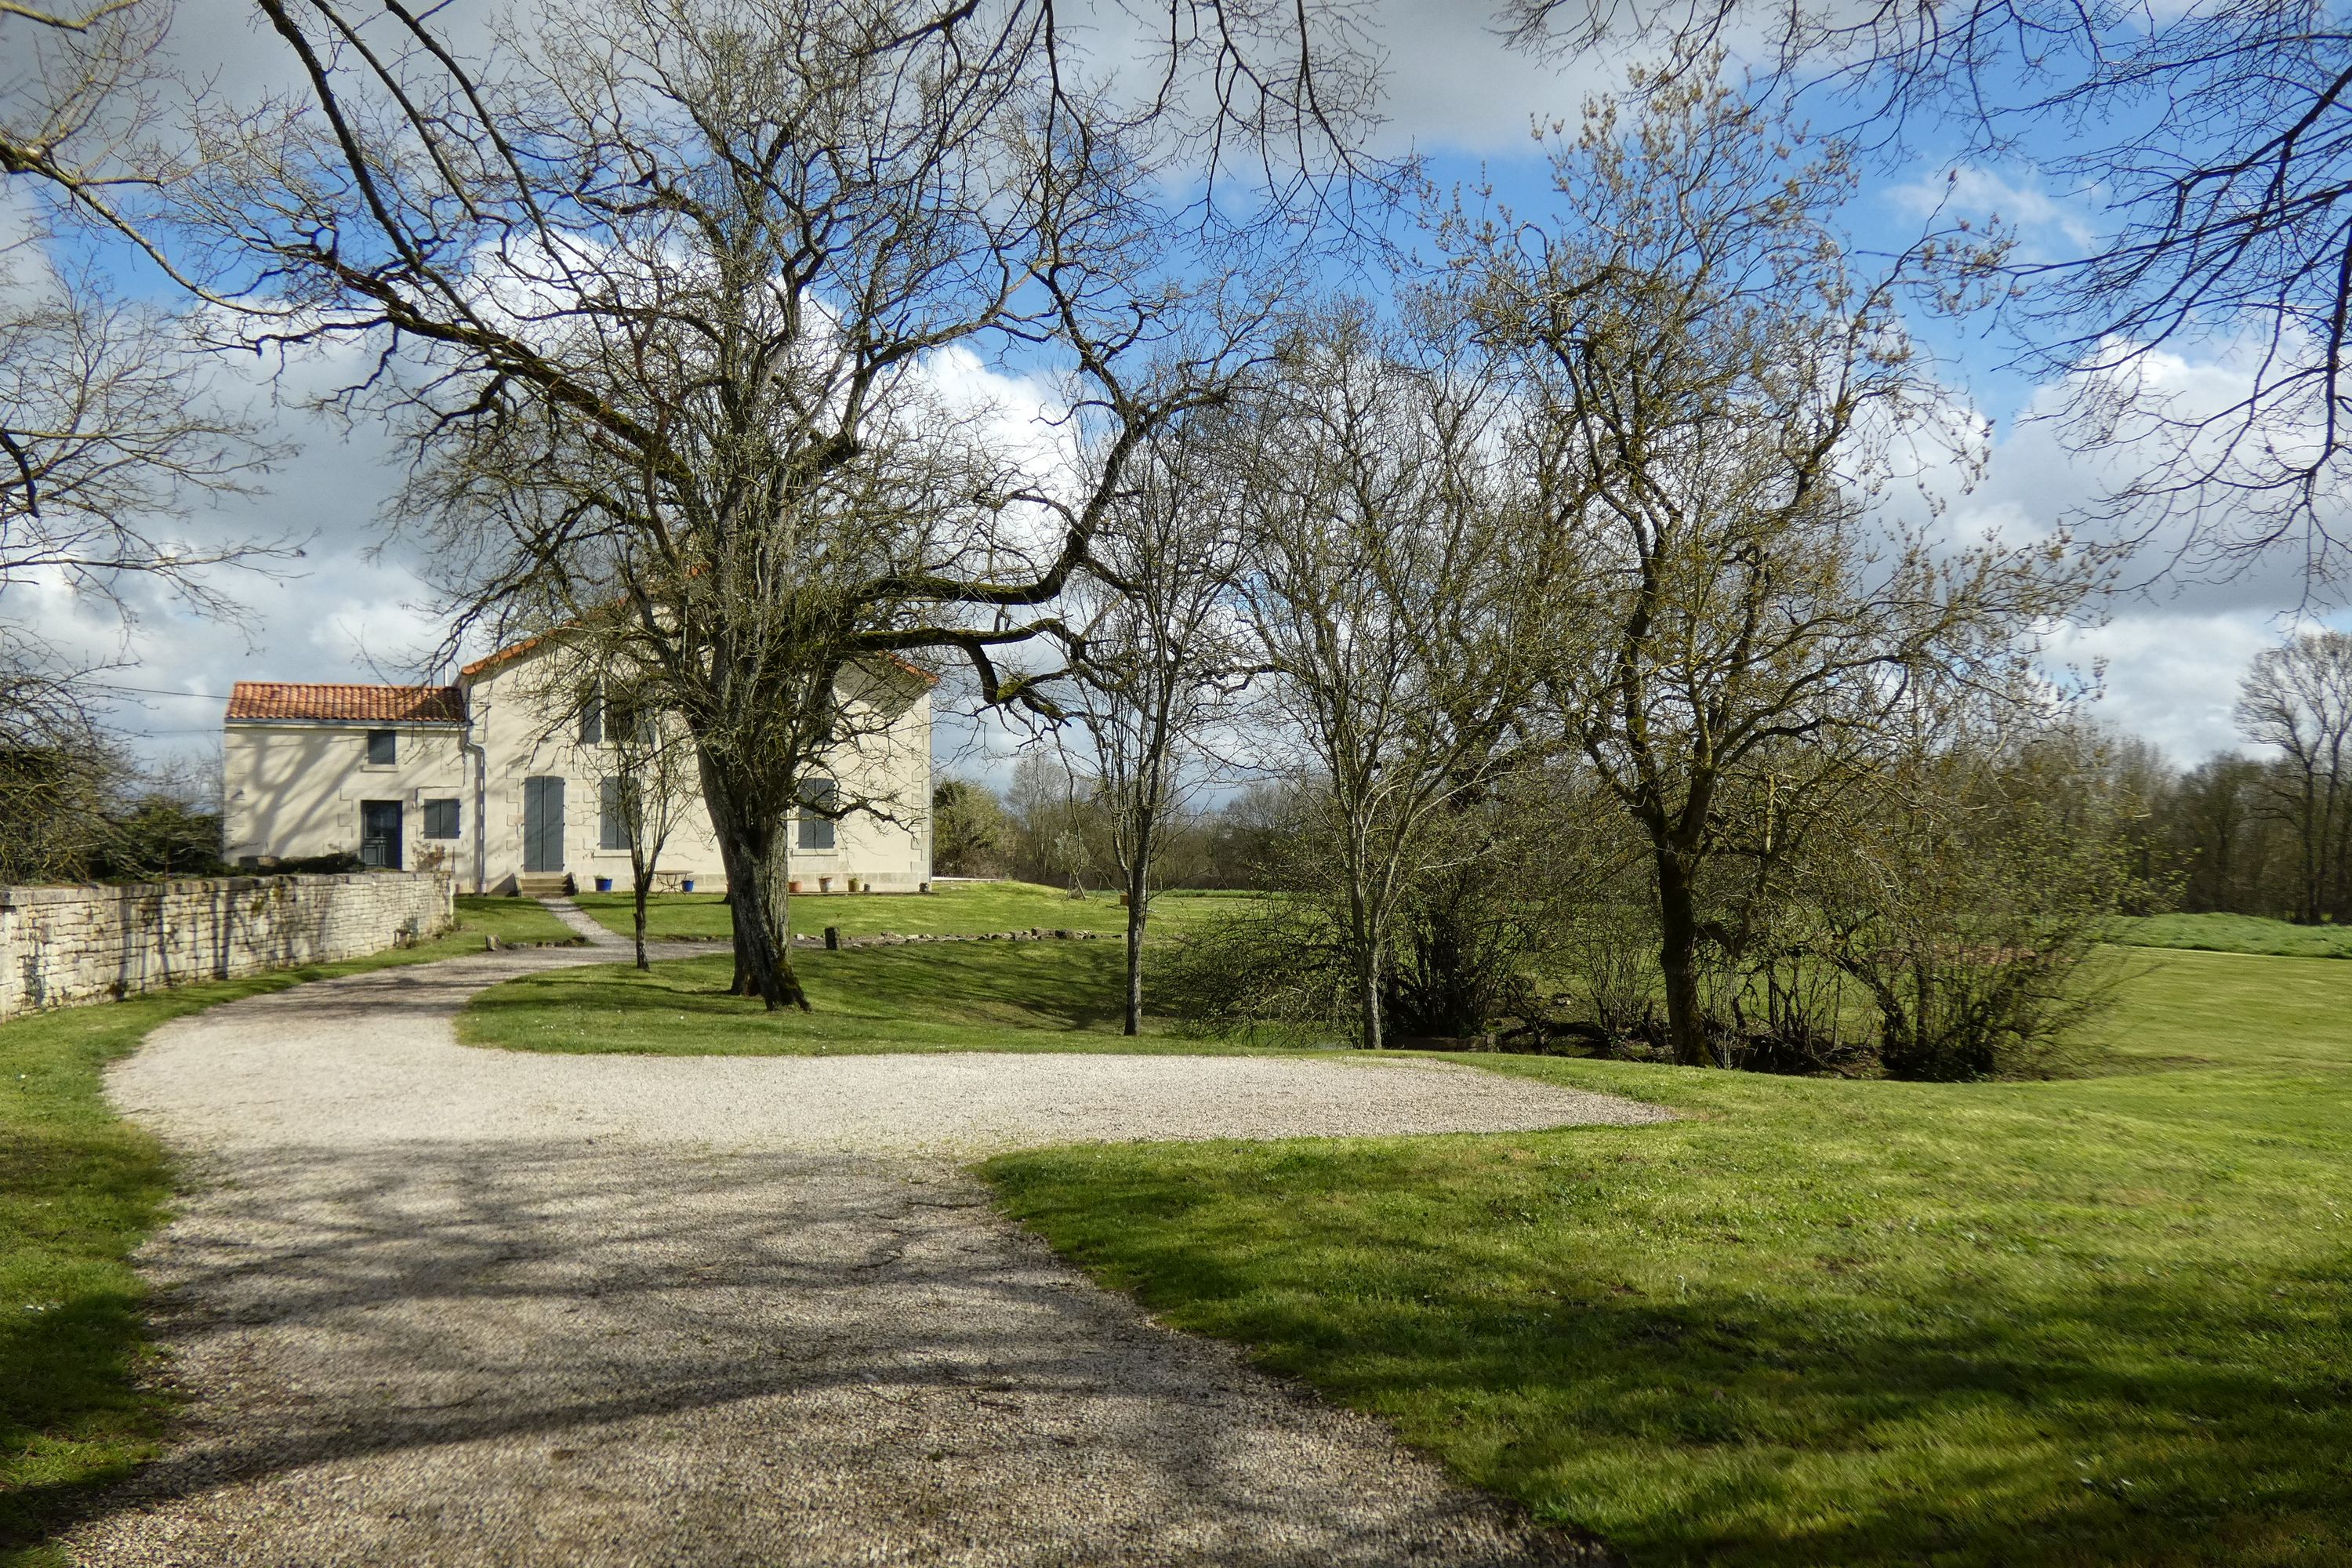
[(439, 1305)]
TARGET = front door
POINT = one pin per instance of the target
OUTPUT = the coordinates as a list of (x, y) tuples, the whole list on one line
[(379, 833), (543, 825)]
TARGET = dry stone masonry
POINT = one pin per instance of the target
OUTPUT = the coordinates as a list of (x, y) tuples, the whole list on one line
[(60, 946)]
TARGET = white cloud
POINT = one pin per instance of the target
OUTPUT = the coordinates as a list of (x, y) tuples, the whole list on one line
[(1971, 191), (2172, 676)]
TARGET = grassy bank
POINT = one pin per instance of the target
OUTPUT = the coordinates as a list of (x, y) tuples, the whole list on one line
[(956, 909), (2080, 1322), (79, 1189), (2236, 933), (950, 996), (508, 919)]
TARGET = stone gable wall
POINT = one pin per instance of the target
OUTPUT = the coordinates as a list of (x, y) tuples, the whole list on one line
[(61, 946)]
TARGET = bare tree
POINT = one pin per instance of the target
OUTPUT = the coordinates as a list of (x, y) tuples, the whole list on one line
[(2298, 699), (655, 783), (667, 293), (1392, 600), (1712, 392), (2209, 146), (107, 428), (1162, 652), (59, 774), (85, 109), (105, 432)]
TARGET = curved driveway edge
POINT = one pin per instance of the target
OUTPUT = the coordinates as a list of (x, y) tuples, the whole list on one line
[(439, 1305)]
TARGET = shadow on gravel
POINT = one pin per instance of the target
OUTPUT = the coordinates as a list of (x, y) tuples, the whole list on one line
[(800, 1350)]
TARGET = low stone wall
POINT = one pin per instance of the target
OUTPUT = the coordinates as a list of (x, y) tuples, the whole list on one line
[(60, 946)]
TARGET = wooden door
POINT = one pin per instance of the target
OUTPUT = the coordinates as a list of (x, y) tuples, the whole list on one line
[(543, 825), (379, 833)]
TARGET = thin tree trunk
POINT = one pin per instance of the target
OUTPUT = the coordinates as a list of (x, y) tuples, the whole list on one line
[(1678, 957), (644, 886), (1368, 964), (1138, 881)]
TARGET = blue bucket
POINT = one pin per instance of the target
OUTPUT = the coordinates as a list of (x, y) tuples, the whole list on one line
[(604, 884)]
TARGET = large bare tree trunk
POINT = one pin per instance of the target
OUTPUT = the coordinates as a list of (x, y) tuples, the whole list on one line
[(1678, 957), (757, 852)]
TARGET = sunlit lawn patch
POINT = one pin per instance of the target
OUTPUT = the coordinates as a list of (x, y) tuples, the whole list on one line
[(1044, 996), (954, 908), (2102, 1321), (2236, 933)]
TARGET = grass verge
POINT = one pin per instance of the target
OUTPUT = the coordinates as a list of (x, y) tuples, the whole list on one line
[(2087, 1321), (956, 909), (80, 1190), (958, 996), (508, 919), (2235, 933)]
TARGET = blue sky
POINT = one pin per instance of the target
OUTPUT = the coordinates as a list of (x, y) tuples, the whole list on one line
[(2172, 656)]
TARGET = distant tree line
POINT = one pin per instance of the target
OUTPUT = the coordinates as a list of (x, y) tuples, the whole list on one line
[(2270, 833)]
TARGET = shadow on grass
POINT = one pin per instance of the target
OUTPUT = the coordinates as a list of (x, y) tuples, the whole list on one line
[(1624, 1363)]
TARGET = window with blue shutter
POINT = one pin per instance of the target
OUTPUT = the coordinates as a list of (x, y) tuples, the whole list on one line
[(819, 799), (612, 815)]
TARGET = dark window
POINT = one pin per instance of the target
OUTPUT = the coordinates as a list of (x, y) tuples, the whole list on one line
[(612, 815), (440, 819), (383, 747), (592, 722), (632, 725), (819, 799)]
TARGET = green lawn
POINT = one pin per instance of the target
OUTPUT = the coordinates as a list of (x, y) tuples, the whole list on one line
[(79, 1189), (508, 919), (2090, 1322), (947, 996), (956, 909), (2236, 933)]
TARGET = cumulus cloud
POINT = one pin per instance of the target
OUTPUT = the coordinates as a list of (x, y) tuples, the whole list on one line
[(1972, 190)]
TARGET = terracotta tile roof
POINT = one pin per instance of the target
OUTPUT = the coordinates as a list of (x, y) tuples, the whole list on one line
[(347, 704), (491, 661)]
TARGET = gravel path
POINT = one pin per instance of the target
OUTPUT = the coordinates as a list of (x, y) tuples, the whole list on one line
[(438, 1305)]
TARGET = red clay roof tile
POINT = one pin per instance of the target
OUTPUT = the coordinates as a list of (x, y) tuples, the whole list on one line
[(263, 699)]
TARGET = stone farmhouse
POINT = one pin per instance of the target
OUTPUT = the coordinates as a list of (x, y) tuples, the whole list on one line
[(508, 781)]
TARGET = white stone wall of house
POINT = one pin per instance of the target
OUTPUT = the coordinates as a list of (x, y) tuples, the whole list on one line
[(511, 799), (530, 729), (295, 791)]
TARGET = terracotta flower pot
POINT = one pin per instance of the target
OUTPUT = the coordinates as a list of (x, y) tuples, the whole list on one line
[(792, 886)]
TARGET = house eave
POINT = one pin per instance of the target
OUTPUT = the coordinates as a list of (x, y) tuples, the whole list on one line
[(343, 723)]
